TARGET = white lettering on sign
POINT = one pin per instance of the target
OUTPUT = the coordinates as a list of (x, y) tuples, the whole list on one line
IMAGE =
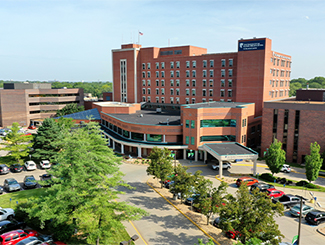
[(281, 56)]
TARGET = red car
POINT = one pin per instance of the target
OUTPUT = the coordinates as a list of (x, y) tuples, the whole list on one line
[(247, 180), (274, 193), (31, 127), (13, 237)]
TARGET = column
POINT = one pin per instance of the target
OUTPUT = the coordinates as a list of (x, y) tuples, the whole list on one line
[(122, 148), (108, 141), (254, 167), (205, 157), (113, 144), (164, 138), (195, 155), (139, 151), (144, 137), (220, 169), (184, 154), (129, 134)]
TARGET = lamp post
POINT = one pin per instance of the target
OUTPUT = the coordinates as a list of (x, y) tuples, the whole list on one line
[(133, 238)]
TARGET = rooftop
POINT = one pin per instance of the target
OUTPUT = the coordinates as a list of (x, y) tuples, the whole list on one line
[(230, 149), (84, 115), (216, 104), (150, 117), (113, 104)]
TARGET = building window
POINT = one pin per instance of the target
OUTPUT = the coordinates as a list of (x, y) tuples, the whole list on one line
[(277, 62), (172, 100), (143, 74), (210, 83), (149, 99), (187, 140), (211, 63), (187, 123), (171, 73), (172, 83), (275, 123), (204, 63), (193, 92), (204, 73), (193, 64), (229, 83), (212, 123), (162, 83), (193, 83), (177, 83), (223, 73), (177, 64), (296, 137), (187, 91), (162, 74), (204, 83), (192, 141), (222, 93), (187, 73), (149, 91), (162, 65), (192, 124), (193, 73), (177, 100), (223, 63), (149, 74), (204, 100), (171, 91), (229, 93), (230, 72), (157, 99), (157, 65), (144, 99), (143, 66), (157, 83), (222, 100), (218, 138), (193, 100), (157, 90), (187, 100), (162, 91), (253, 130), (187, 64), (285, 129), (231, 62), (204, 92), (148, 66), (143, 82), (210, 92), (211, 73), (177, 73), (143, 91), (187, 82), (148, 82), (228, 100), (177, 91), (222, 83), (162, 100), (172, 65), (157, 73)]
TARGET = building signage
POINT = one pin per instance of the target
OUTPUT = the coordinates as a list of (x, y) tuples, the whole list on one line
[(281, 56), (251, 45)]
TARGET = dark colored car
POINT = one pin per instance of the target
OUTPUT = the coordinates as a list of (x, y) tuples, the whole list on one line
[(288, 200), (30, 182), (191, 200), (4, 169), (10, 225), (261, 186), (46, 180), (16, 168), (169, 184), (11, 185), (1, 190), (315, 217)]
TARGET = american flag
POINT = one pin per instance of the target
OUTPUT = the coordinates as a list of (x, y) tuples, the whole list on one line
[(140, 33)]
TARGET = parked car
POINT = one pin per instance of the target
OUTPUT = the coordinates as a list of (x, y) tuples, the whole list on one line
[(11, 185), (315, 217), (191, 200), (6, 213), (169, 184), (261, 186), (274, 193), (5, 131), (13, 237), (10, 225), (4, 169), (248, 180), (31, 127), (16, 168), (225, 165), (30, 165), (30, 181), (288, 200), (295, 211), (30, 241), (45, 164), (286, 168), (1, 190), (46, 178)]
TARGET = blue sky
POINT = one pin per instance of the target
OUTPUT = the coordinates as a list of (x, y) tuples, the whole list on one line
[(71, 40)]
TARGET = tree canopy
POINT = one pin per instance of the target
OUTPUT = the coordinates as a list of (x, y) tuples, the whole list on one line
[(313, 162), (316, 82), (69, 109), (275, 157)]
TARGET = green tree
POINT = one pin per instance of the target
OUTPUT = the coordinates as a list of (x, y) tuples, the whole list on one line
[(200, 242), (160, 164), (252, 241), (275, 157), (45, 141), (69, 109), (183, 182), (251, 215), (85, 186), (64, 122), (313, 162), (18, 143)]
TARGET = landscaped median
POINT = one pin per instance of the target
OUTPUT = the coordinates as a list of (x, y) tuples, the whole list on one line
[(197, 219)]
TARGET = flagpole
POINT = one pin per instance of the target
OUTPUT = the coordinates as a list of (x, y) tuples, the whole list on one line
[(138, 37)]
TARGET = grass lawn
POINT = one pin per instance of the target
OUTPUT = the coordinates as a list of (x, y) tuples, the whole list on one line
[(23, 196)]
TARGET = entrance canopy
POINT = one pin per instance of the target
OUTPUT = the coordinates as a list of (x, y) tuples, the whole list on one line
[(230, 152)]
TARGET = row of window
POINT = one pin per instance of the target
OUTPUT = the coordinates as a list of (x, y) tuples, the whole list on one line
[(275, 72), (281, 93), (187, 92), (284, 63), (171, 100), (188, 73), (188, 83), (176, 64), (52, 95), (275, 83)]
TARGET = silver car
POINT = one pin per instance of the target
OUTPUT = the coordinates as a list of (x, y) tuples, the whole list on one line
[(295, 211), (11, 185)]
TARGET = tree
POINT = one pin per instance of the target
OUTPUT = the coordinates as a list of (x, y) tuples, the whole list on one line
[(313, 162), (252, 241), (210, 242), (18, 143), (160, 164), (183, 182), (64, 122), (251, 215), (45, 141), (85, 187), (275, 157), (69, 109)]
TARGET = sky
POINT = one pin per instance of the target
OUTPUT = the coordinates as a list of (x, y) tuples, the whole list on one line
[(71, 40)]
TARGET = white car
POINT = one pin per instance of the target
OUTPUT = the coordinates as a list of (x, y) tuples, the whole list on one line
[(30, 165), (286, 168), (45, 164), (6, 213), (225, 165)]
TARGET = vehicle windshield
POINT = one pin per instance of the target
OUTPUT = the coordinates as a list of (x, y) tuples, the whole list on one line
[(12, 182), (30, 179)]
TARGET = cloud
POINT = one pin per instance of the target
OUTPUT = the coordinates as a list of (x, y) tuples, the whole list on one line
[(307, 17)]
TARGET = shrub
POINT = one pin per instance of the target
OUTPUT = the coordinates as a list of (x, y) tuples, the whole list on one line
[(268, 177), (307, 184), (62, 232), (22, 215)]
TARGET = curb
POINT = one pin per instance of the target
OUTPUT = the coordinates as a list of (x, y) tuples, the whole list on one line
[(184, 214), (322, 233)]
